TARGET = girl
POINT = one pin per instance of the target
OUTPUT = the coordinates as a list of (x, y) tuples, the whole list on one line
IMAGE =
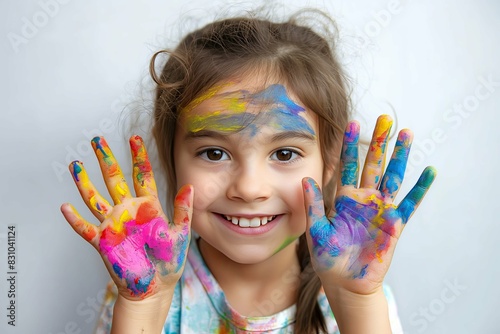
[(249, 121)]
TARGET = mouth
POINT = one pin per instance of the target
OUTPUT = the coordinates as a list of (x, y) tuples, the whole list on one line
[(249, 222)]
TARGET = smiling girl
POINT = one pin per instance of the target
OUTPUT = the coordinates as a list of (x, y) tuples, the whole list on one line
[(250, 120)]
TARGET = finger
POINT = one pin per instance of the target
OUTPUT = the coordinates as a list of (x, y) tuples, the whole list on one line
[(95, 202), (85, 229), (349, 165), (393, 177), (374, 164), (313, 201), (183, 206), (111, 171), (412, 200), (144, 182), (321, 234)]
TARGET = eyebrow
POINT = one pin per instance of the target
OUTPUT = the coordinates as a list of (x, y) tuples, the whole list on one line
[(205, 133), (293, 135), (275, 138)]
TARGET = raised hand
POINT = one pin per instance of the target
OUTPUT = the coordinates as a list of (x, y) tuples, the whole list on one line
[(142, 251), (353, 246)]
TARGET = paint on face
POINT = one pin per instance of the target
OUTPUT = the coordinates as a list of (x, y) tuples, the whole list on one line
[(234, 111), (285, 243)]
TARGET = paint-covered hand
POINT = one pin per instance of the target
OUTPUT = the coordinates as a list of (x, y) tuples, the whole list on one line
[(353, 246), (143, 252)]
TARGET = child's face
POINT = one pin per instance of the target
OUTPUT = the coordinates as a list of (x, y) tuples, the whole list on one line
[(245, 149)]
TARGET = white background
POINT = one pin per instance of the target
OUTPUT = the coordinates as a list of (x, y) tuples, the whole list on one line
[(81, 70)]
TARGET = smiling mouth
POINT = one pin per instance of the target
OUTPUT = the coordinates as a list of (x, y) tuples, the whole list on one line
[(249, 222)]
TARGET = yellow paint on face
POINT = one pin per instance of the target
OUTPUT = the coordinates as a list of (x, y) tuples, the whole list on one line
[(228, 112), (205, 96)]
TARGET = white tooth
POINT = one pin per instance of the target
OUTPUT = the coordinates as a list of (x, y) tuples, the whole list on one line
[(244, 222), (269, 218), (264, 220), (234, 220), (255, 222)]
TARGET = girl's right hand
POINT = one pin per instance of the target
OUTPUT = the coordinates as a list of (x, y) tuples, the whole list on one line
[(142, 251)]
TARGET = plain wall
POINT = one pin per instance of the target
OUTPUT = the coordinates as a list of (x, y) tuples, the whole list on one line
[(75, 69)]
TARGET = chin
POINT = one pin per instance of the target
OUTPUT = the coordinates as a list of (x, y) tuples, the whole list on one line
[(245, 254)]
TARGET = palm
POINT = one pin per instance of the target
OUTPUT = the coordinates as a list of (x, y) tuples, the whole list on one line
[(353, 246), (141, 249)]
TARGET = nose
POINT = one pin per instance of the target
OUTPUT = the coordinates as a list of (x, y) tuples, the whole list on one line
[(250, 183)]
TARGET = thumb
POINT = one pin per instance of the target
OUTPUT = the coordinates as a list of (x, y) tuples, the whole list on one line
[(313, 202), (183, 206)]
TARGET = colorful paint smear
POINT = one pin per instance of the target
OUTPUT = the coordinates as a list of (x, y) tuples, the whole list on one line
[(407, 206), (361, 230), (115, 181), (350, 165), (87, 190), (364, 223), (285, 243), (393, 177), (136, 240), (375, 159), (234, 111), (136, 247), (141, 166), (378, 145)]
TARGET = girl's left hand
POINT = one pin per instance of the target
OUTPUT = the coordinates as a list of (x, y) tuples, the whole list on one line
[(352, 248)]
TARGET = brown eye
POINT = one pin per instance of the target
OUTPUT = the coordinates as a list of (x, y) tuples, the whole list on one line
[(284, 155), (214, 154)]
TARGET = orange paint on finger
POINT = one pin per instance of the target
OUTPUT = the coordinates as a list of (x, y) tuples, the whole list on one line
[(87, 232), (114, 169)]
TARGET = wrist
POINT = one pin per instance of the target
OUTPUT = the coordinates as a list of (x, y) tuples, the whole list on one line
[(348, 298), (359, 313), (141, 316)]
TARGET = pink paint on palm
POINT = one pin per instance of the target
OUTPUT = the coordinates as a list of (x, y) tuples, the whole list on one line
[(133, 248)]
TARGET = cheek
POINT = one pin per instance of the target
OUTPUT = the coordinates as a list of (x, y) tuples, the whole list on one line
[(207, 186)]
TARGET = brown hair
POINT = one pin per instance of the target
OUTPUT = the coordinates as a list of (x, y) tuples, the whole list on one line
[(289, 52)]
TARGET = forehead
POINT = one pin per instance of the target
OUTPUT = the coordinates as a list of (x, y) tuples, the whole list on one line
[(233, 106)]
